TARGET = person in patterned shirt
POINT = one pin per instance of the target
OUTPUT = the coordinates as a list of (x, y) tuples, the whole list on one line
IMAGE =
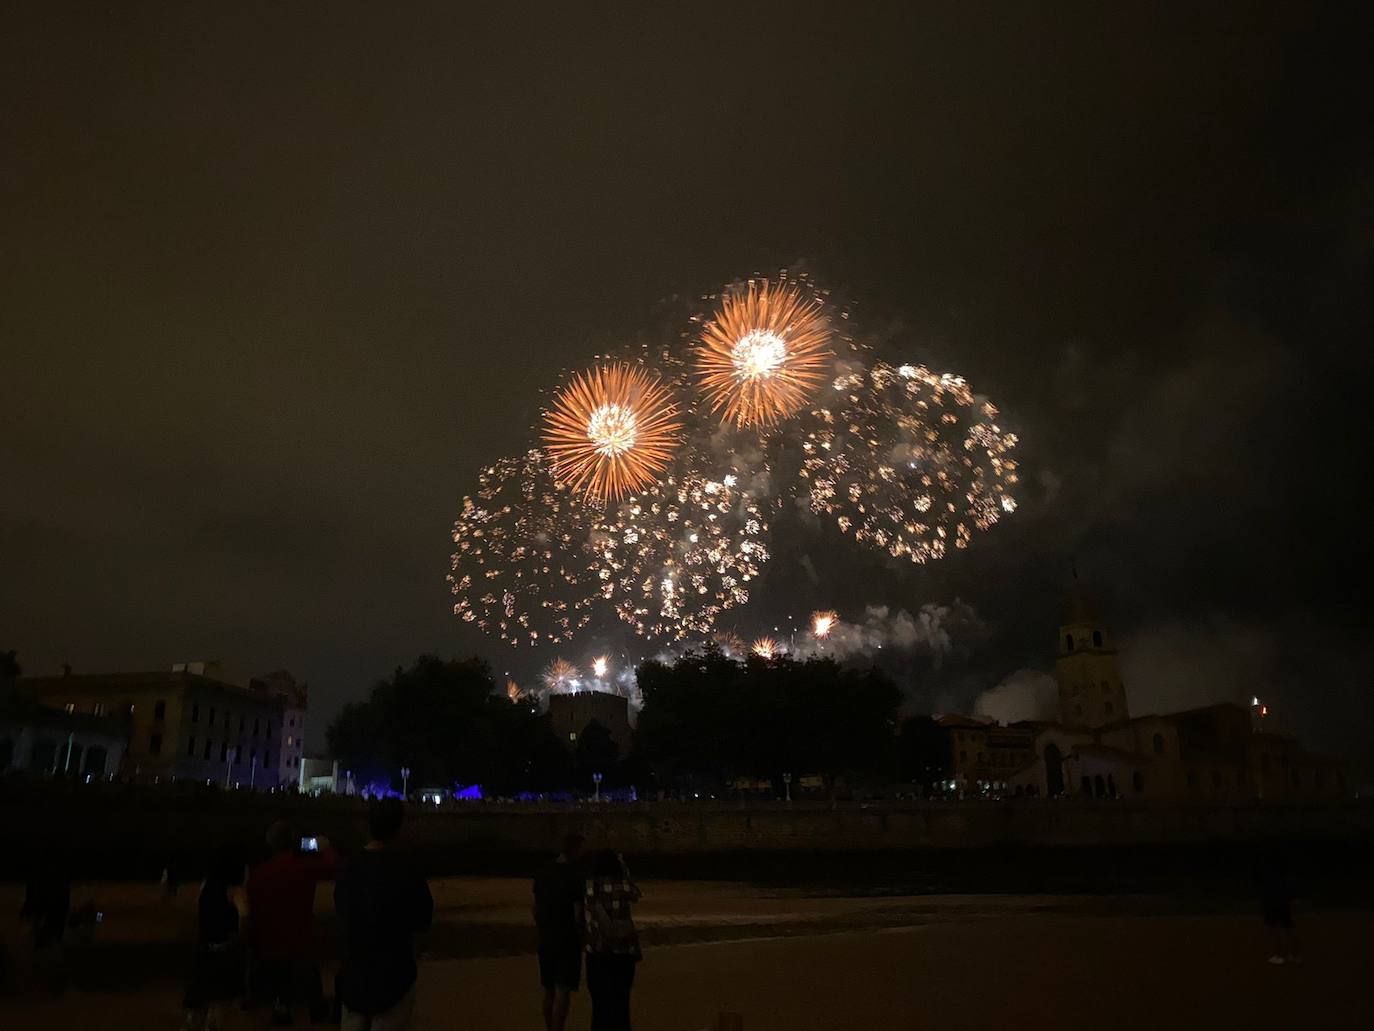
[(612, 941)]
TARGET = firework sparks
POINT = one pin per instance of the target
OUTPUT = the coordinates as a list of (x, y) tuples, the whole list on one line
[(674, 557), (730, 643), (560, 676), (766, 648), (521, 569), (610, 431), (599, 667), (908, 461), (822, 623), (763, 353)]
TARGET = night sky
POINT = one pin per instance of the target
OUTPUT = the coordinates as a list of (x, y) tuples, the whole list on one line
[(278, 279)]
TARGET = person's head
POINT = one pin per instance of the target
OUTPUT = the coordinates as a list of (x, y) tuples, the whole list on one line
[(226, 868), (384, 819), (281, 837), (572, 845), (604, 862)]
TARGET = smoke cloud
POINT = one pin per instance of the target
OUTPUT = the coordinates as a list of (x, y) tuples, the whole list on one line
[(1027, 694)]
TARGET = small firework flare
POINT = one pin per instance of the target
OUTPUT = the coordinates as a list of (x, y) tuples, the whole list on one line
[(822, 623), (766, 648)]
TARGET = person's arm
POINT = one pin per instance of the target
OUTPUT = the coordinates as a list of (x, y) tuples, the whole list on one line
[(324, 864)]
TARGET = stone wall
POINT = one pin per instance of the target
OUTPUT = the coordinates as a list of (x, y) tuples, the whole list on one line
[(136, 831)]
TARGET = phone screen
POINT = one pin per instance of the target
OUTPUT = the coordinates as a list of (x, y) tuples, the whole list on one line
[(310, 844)]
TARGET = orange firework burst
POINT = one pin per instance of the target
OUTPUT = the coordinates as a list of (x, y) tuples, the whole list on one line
[(823, 622), (766, 648), (611, 431), (763, 353)]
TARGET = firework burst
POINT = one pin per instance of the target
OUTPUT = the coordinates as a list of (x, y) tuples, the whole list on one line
[(560, 675), (610, 431), (521, 569), (822, 623), (672, 558), (908, 461), (599, 667), (766, 648), (763, 353)]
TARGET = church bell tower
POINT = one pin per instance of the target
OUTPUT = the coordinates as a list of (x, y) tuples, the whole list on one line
[(1091, 692)]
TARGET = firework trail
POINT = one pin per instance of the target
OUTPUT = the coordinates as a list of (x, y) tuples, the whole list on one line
[(763, 353), (611, 430)]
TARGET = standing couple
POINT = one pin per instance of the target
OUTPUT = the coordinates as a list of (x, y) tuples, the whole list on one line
[(585, 905)]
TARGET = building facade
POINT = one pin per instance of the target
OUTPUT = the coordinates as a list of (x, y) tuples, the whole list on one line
[(179, 725), (1098, 750), (571, 712), (40, 741), (295, 699)]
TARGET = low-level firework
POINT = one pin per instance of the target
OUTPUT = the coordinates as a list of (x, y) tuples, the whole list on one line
[(822, 623), (560, 676), (766, 648)]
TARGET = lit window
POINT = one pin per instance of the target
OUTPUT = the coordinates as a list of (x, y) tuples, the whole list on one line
[(290, 740), (155, 744), (572, 735), (100, 708), (71, 708), (191, 747), (159, 709)]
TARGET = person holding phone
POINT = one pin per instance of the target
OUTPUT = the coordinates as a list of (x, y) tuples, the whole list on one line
[(281, 914)]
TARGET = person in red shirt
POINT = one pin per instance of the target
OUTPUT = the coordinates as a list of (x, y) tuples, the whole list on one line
[(281, 915)]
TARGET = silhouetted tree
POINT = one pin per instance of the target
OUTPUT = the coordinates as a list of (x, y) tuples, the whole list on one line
[(443, 720), (923, 751), (708, 718)]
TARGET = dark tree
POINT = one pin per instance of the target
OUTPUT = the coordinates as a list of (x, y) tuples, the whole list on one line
[(923, 751), (708, 719), (444, 721)]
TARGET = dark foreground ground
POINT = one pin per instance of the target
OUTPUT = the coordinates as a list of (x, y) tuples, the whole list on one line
[(790, 959)]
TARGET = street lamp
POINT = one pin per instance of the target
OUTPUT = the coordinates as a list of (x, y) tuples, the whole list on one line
[(596, 780), (787, 785), (405, 781)]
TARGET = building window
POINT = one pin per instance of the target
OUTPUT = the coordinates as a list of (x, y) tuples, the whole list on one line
[(293, 721), (1108, 707), (1068, 642), (1264, 763), (572, 735), (71, 708), (1138, 782), (1159, 744), (99, 708), (243, 722), (208, 749), (267, 731), (160, 709), (195, 712), (980, 758), (223, 751), (1097, 638), (290, 741), (257, 726), (155, 744), (212, 717), (191, 747)]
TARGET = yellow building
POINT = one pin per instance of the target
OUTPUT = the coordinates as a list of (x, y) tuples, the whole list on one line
[(1098, 750), (182, 724)]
